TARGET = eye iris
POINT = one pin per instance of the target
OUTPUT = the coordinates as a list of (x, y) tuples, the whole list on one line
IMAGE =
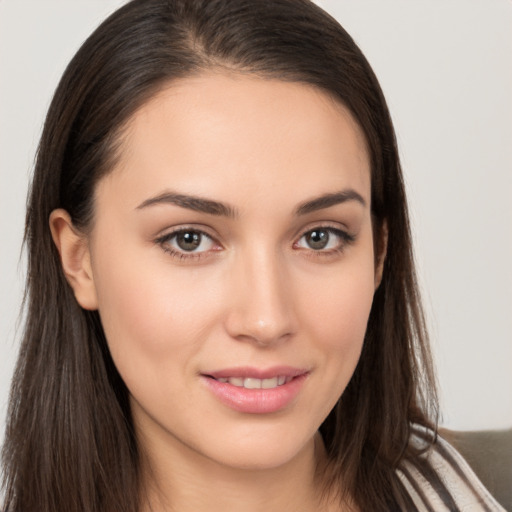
[(188, 240), (317, 239)]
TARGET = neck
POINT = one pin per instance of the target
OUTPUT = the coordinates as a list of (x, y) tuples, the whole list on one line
[(189, 482)]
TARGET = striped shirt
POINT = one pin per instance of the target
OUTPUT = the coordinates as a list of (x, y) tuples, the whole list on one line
[(445, 483)]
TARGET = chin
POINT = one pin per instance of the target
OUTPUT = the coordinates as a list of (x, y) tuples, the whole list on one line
[(261, 450)]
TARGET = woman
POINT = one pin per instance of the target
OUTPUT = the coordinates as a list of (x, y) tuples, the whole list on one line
[(222, 306)]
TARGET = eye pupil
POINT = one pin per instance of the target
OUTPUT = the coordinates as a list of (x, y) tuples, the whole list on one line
[(188, 240), (317, 239)]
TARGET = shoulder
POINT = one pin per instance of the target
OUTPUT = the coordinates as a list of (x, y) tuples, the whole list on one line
[(441, 480)]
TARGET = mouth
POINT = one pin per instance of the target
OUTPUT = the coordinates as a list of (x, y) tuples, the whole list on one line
[(250, 390), (254, 383)]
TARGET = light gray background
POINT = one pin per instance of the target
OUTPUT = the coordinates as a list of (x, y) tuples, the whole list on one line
[(446, 69)]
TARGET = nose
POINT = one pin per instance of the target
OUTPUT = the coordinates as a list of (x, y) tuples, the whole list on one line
[(261, 306)]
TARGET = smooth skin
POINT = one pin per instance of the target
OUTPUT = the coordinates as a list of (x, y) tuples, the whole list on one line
[(211, 249)]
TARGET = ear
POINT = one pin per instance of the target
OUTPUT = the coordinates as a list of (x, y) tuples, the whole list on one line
[(75, 258), (381, 249)]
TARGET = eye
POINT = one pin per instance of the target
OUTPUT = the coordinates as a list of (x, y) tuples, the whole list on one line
[(324, 239), (187, 242)]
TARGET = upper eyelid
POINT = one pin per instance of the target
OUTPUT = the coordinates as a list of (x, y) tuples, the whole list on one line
[(331, 229), (168, 233), (341, 233), (333, 225)]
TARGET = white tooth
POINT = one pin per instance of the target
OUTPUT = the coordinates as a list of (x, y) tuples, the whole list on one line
[(222, 379), (281, 380), (269, 383), (251, 383), (236, 381), (288, 379)]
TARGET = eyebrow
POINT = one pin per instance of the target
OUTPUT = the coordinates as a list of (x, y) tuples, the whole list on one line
[(328, 200), (203, 205), (194, 203)]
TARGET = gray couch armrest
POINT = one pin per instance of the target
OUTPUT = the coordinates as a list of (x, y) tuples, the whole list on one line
[(489, 453)]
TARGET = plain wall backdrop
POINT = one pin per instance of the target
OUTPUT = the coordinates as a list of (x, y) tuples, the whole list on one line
[(445, 67)]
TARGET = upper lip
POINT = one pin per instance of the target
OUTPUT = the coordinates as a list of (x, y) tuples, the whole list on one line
[(257, 373)]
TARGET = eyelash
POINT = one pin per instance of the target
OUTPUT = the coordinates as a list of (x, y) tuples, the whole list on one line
[(346, 239), (166, 239)]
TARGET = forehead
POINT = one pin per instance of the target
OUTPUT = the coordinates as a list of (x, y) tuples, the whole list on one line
[(222, 134)]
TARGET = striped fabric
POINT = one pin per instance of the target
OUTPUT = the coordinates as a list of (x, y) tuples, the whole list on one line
[(444, 482)]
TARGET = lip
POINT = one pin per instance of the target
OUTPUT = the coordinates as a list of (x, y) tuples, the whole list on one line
[(257, 373), (256, 401)]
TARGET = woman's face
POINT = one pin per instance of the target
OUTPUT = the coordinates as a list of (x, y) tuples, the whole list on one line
[(233, 267)]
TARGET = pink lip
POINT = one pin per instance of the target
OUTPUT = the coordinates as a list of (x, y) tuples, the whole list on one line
[(256, 401)]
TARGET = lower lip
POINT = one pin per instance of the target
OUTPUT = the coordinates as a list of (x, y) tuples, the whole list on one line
[(256, 401)]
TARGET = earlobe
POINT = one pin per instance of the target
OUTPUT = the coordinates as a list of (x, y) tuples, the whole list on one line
[(75, 258), (381, 251)]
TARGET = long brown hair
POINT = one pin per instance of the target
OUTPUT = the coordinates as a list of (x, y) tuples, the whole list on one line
[(70, 443)]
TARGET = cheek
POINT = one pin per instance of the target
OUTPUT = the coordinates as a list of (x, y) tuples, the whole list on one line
[(337, 321), (339, 313), (153, 319)]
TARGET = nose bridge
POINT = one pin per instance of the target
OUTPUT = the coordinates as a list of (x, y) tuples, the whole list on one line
[(262, 304)]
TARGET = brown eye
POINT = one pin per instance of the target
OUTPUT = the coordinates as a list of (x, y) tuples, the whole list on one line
[(188, 240), (317, 239), (324, 239)]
